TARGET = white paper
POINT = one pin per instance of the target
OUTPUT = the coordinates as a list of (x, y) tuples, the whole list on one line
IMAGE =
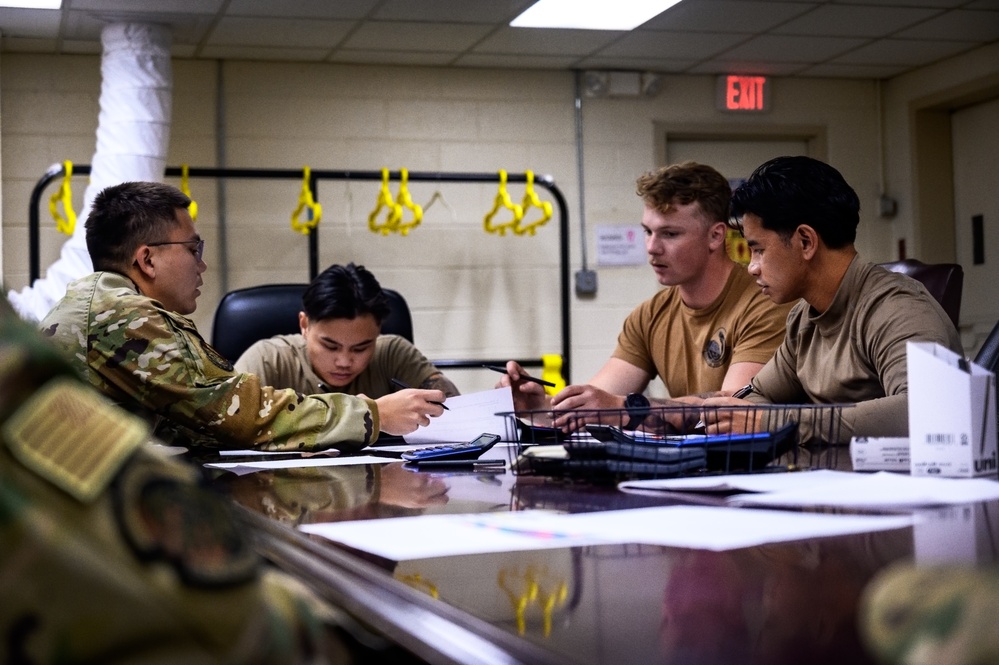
[(880, 490), (249, 452), (240, 468), (468, 416), (718, 529), (745, 482)]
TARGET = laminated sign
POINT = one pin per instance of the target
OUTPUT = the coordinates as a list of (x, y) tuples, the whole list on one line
[(952, 414)]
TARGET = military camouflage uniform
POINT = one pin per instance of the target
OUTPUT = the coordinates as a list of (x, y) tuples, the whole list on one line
[(933, 615), (109, 552), (156, 364)]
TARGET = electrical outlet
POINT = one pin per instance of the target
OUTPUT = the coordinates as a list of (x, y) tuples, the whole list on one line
[(586, 282)]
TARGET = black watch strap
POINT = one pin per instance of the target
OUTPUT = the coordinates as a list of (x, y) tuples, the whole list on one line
[(637, 406)]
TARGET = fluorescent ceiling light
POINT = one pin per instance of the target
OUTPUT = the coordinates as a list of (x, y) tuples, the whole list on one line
[(32, 4), (591, 14)]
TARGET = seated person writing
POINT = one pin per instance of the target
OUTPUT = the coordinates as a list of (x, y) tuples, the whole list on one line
[(846, 336), (124, 329), (709, 330), (341, 348)]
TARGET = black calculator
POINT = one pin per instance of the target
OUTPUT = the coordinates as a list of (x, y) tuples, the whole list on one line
[(453, 451)]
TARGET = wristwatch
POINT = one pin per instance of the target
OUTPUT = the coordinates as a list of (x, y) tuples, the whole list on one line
[(637, 406)]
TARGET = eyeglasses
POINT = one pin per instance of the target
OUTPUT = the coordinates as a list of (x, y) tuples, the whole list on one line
[(198, 252)]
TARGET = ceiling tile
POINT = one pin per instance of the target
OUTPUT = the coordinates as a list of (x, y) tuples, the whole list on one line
[(942, 4), (900, 52), (958, 25), (515, 61), (132, 7), (262, 53), (662, 44), (339, 9), (829, 70), (28, 22), (463, 11), (766, 68), (402, 36), (533, 41), (852, 20), (664, 65), (276, 32), (739, 15), (422, 58), (787, 48)]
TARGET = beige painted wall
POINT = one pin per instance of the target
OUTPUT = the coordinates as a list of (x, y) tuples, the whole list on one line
[(473, 294)]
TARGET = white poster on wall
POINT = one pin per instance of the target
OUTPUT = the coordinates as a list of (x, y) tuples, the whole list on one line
[(619, 245)]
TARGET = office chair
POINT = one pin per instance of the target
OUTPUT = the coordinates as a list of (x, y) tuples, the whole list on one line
[(944, 281), (988, 355), (257, 312)]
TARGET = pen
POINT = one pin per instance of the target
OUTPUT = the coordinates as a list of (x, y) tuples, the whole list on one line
[(399, 384), (523, 377), (473, 464), (738, 394)]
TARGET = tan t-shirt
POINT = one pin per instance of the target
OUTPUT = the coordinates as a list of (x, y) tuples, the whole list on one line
[(282, 362), (854, 353), (692, 349)]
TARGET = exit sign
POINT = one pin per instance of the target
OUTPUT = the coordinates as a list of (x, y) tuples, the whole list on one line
[(743, 94)]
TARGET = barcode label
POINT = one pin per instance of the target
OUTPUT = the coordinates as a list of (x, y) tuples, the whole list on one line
[(939, 438)]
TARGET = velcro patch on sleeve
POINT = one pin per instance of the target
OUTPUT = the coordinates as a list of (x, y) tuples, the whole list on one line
[(73, 437)]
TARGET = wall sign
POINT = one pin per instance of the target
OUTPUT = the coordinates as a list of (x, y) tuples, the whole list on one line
[(737, 93)]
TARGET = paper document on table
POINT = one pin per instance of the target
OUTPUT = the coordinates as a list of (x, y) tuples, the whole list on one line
[(468, 416), (239, 468), (880, 490), (739, 482), (718, 529)]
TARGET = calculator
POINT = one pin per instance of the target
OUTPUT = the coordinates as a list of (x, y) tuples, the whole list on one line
[(453, 451)]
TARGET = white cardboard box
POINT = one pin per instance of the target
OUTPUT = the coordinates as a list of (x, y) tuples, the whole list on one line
[(880, 453), (952, 414)]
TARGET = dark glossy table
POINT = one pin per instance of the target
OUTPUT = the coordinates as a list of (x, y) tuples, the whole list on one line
[(615, 604)]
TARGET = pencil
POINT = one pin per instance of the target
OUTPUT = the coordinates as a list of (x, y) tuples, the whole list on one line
[(523, 377), (399, 384)]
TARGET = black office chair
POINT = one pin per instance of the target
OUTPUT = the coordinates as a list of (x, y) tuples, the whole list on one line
[(944, 281), (257, 312), (988, 355)]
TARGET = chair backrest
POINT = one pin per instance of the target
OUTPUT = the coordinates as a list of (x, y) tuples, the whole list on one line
[(944, 281), (988, 355), (257, 312)]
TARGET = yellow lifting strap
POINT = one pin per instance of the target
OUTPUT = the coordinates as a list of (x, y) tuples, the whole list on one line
[(65, 224), (385, 201), (501, 202), (531, 200), (306, 202), (551, 371), (186, 188), (405, 201)]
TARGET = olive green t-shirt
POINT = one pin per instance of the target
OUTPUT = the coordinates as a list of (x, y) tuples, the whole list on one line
[(283, 362)]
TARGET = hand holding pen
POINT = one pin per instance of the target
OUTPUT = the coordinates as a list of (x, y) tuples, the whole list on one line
[(528, 394), (404, 411)]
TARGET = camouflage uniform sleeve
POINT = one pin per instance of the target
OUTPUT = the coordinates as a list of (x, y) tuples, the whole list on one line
[(162, 362), (112, 552)]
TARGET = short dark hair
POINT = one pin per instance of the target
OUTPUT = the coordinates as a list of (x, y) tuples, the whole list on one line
[(345, 292), (686, 183), (123, 217), (786, 192)]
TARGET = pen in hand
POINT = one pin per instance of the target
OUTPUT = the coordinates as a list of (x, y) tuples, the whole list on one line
[(523, 377), (399, 384)]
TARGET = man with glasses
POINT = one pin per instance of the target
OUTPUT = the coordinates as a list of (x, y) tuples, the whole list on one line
[(125, 330)]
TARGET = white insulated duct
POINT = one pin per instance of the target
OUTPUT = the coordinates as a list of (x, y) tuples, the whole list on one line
[(133, 134)]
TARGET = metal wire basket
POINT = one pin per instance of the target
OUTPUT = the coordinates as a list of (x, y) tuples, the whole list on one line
[(608, 445)]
